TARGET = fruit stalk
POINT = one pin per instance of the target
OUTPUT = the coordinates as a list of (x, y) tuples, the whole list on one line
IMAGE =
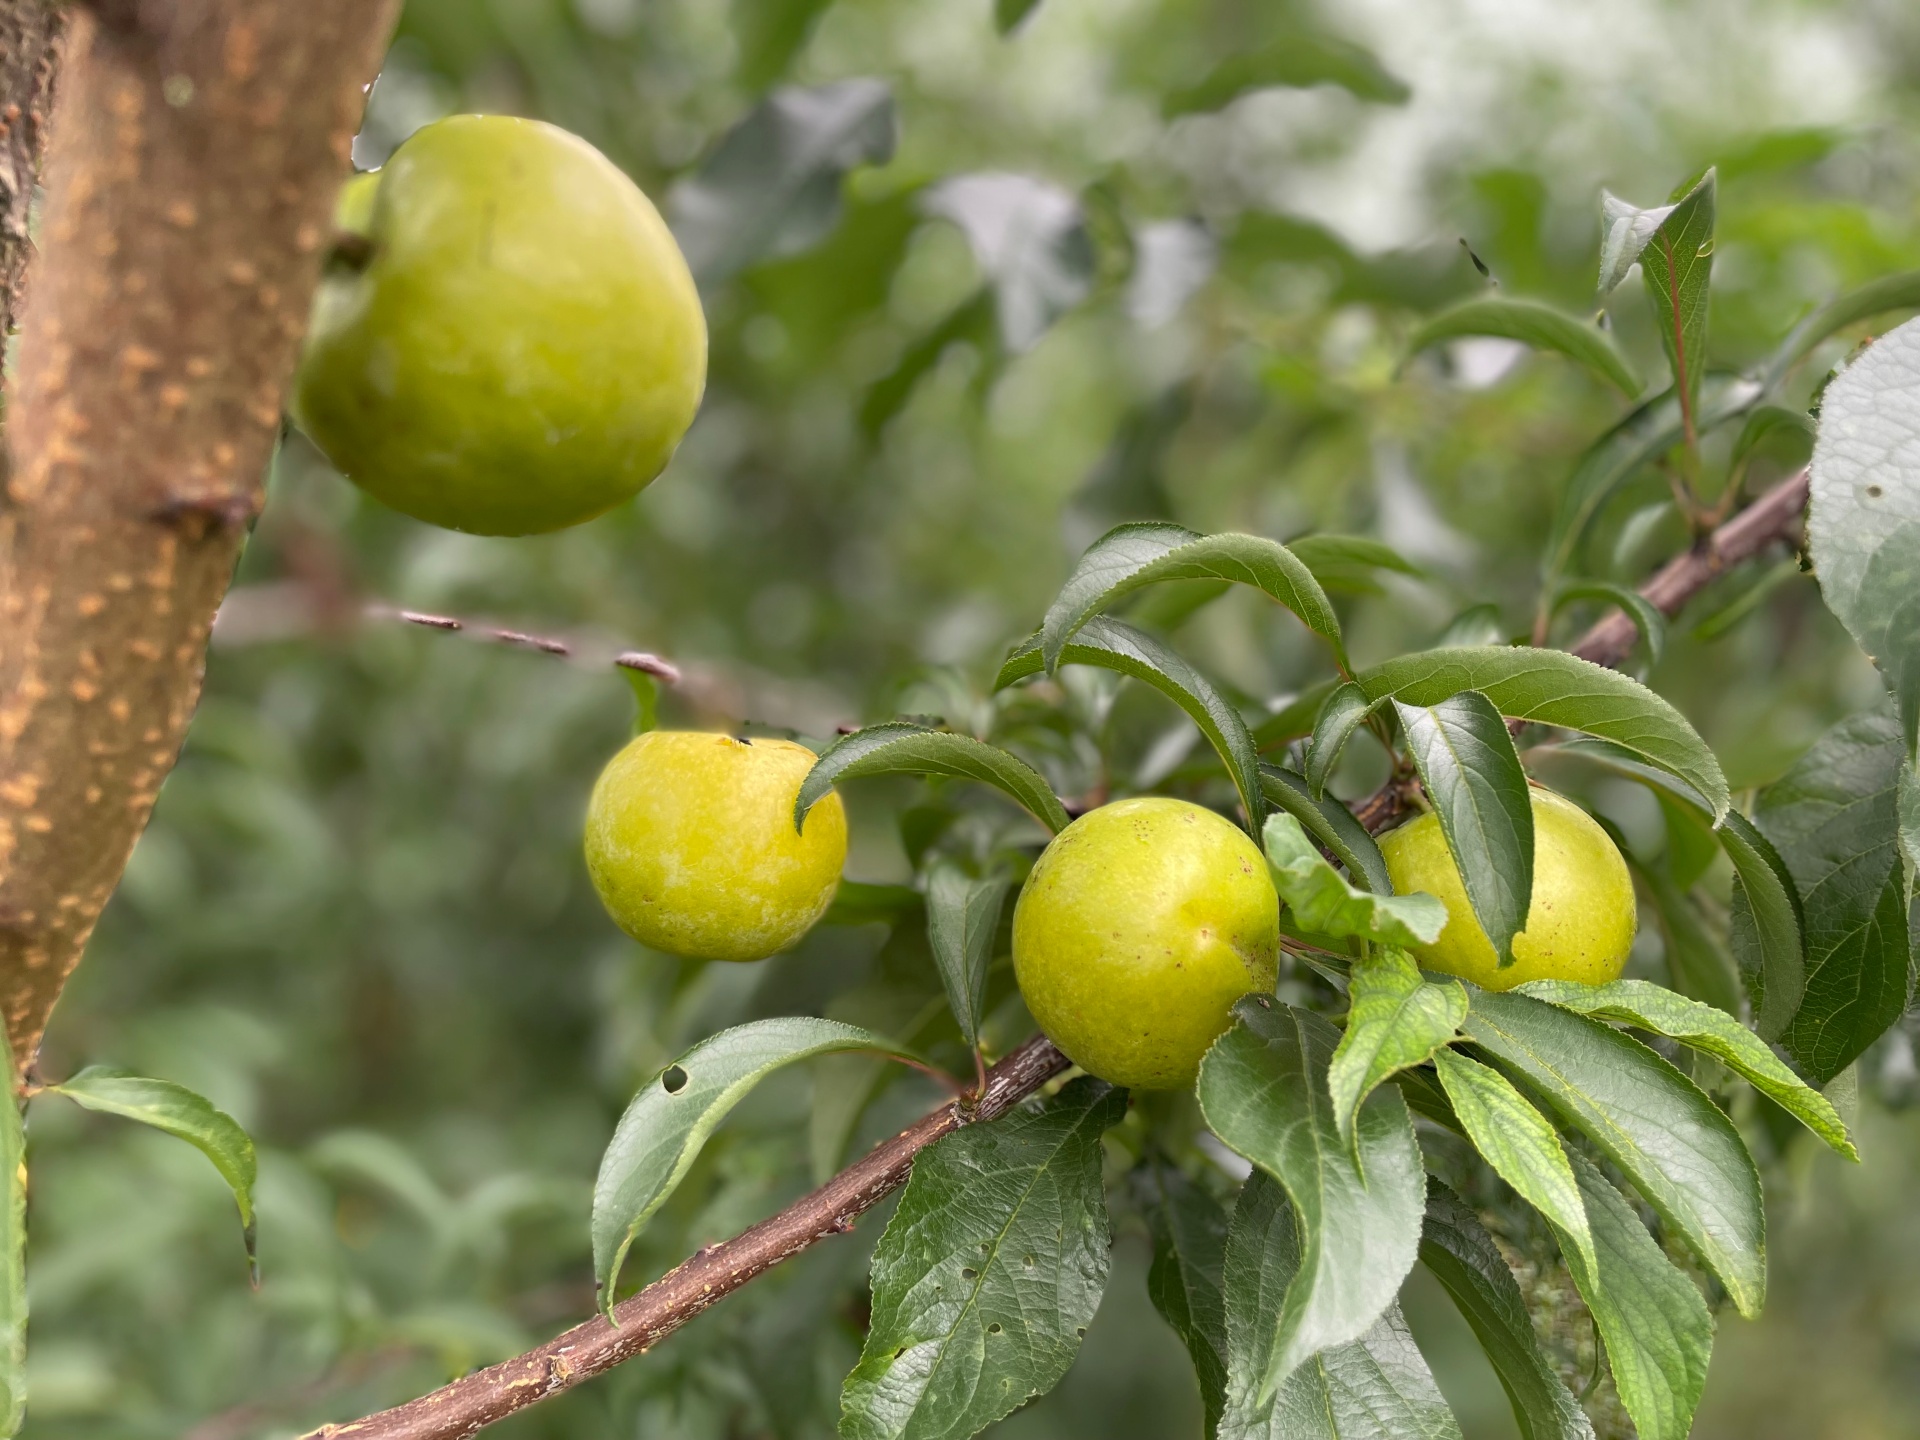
[(478, 1400)]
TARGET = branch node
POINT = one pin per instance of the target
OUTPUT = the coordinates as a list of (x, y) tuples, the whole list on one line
[(197, 517)]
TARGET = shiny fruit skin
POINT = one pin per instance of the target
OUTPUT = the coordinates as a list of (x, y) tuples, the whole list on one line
[(1580, 920), (690, 842), (1139, 927), (522, 346)]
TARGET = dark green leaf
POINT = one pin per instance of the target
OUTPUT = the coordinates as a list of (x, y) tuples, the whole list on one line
[(1890, 292), (1134, 556), (1517, 1141), (1863, 524), (660, 1135), (859, 902), (1645, 615), (1395, 1019), (1375, 1388), (962, 915), (1114, 645), (1464, 1259), (1297, 60), (1189, 1251), (1657, 1330), (1008, 14), (1531, 323), (1676, 265), (1344, 712), (1330, 823), (1324, 903), (180, 1113), (1029, 238), (1697, 963), (1834, 820), (1710, 1031), (772, 186), (1263, 1090), (1555, 688), (900, 748), (988, 1274), (1472, 774), (1672, 1142)]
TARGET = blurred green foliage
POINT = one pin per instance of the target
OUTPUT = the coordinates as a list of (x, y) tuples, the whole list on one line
[(360, 922)]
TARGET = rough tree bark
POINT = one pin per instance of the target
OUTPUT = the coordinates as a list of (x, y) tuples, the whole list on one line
[(196, 151), (30, 33)]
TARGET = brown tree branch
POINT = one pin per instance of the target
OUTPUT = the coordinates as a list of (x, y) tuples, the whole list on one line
[(195, 156), (478, 1400), (30, 36)]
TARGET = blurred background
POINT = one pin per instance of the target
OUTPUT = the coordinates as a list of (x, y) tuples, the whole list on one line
[(982, 282)]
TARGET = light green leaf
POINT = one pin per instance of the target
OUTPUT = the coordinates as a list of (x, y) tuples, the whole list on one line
[(1710, 1031), (1672, 1142), (1531, 323), (1765, 422), (1296, 60), (1008, 15), (1344, 712), (1395, 1019), (1518, 1142), (1552, 687), (1464, 1259), (1263, 1091), (1375, 1388), (1131, 557), (1645, 615), (669, 1120), (1330, 823), (1185, 1280), (1878, 297), (900, 748), (1657, 1331), (1472, 774), (1323, 903), (186, 1116), (1677, 265), (1347, 561), (963, 914), (988, 1274)]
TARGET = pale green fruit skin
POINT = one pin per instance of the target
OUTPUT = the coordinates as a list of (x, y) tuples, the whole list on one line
[(524, 347), (1139, 927), (1580, 919), (690, 842)]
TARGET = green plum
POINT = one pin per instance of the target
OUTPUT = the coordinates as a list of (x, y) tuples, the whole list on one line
[(1580, 919), (1139, 927), (514, 344), (690, 842)]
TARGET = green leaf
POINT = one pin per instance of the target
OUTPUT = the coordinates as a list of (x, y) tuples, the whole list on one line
[(1657, 1331), (901, 748), (1263, 1090), (1131, 557), (1475, 625), (646, 698), (1009, 14), (1863, 523), (1297, 60), (1029, 238), (1347, 561), (663, 1129), (13, 1258), (1890, 292), (1645, 615), (859, 902), (1294, 720), (1375, 1388), (1395, 1020), (1697, 963), (1672, 1142), (1463, 1258), (1765, 422), (1834, 818), (1344, 712), (1710, 1031), (963, 914), (1518, 1142), (1189, 1232), (1472, 774), (1552, 687), (1330, 823), (772, 185), (988, 1274), (1677, 265), (1114, 645), (969, 323), (1531, 323), (1324, 903), (186, 1116)]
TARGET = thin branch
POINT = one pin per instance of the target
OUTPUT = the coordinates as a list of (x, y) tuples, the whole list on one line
[(478, 1400), (644, 661)]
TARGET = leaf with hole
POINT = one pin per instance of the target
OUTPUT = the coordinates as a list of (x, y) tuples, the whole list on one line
[(901, 748), (1331, 824), (989, 1272), (1189, 1231), (963, 914), (181, 1113), (1537, 325), (1324, 903), (1263, 1091), (1675, 1145), (661, 1134), (1395, 1019)]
